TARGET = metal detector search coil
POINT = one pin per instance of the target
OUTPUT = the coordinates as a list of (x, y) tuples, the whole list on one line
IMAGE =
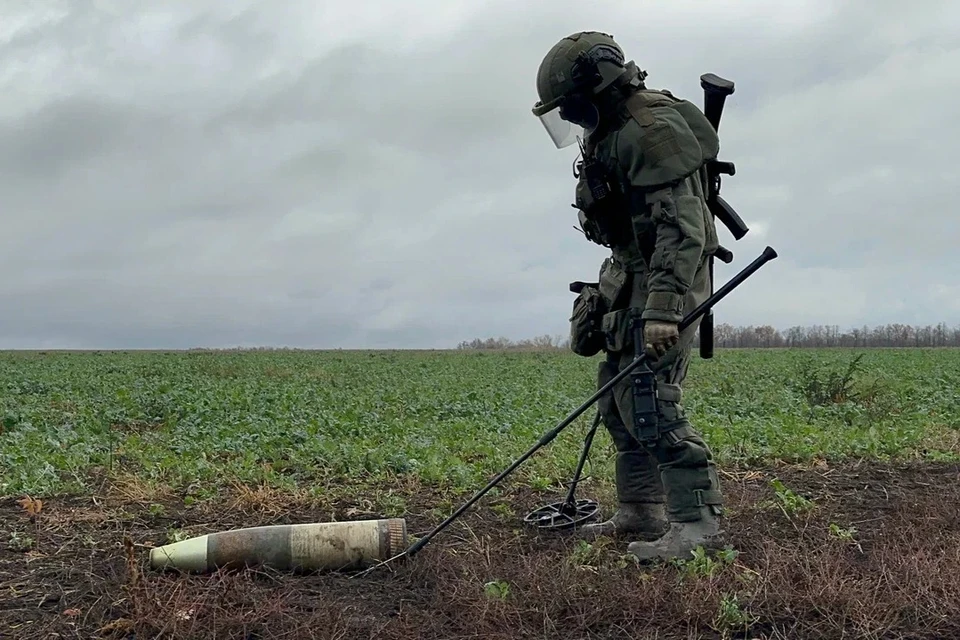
[(563, 515)]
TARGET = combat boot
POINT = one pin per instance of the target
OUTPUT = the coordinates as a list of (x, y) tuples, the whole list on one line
[(643, 519), (682, 538)]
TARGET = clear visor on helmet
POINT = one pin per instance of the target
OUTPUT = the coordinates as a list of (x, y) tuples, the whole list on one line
[(562, 133)]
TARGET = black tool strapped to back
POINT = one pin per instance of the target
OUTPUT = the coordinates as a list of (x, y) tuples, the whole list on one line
[(578, 286), (715, 92)]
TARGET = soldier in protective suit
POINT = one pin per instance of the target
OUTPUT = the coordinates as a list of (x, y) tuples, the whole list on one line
[(641, 192)]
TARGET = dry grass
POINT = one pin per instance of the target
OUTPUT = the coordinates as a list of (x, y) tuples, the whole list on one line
[(887, 569)]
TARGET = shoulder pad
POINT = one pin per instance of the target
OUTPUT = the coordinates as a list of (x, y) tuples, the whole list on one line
[(650, 98), (664, 141)]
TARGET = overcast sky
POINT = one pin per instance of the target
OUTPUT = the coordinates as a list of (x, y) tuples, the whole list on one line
[(367, 174)]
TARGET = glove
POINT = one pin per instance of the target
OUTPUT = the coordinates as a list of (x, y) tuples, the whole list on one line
[(659, 337)]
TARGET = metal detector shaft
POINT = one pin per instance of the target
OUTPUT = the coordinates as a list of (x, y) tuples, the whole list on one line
[(588, 441), (767, 255)]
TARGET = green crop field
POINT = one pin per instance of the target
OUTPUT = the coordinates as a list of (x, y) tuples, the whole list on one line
[(839, 468), (316, 420)]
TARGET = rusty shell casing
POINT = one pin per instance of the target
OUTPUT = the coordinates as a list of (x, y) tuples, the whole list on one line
[(329, 546)]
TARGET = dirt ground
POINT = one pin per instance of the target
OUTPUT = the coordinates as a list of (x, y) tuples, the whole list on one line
[(79, 570)]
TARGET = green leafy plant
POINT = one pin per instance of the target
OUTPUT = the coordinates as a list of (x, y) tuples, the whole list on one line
[(731, 616), (19, 542), (703, 564), (846, 534), (826, 384), (790, 502), (497, 589)]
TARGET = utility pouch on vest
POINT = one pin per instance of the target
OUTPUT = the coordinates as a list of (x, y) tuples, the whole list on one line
[(613, 280), (616, 330), (586, 332)]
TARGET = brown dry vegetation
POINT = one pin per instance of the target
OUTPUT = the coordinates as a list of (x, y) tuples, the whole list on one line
[(78, 569)]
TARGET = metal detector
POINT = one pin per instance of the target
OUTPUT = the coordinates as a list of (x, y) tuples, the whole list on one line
[(767, 255)]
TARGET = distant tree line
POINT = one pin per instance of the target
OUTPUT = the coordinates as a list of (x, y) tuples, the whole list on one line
[(820, 336), (538, 343), (726, 336)]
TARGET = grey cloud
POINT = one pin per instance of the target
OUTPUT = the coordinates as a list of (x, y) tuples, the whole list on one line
[(66, 132), (266, 174)]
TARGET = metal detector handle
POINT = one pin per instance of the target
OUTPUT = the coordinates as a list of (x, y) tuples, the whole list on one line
[(767, 255)]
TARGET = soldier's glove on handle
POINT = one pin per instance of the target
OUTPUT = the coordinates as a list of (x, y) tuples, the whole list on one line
[(659, 337)]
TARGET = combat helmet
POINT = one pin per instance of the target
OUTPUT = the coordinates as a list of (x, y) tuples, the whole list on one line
[(575, 69)]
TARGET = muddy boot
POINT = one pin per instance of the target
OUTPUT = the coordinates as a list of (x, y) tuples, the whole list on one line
[(640, 494), (643, 519), (682, 538)]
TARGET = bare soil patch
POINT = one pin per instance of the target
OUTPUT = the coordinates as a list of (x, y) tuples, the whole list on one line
[(79, 570)]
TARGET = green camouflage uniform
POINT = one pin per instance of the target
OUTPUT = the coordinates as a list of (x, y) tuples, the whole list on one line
[(652, 147)]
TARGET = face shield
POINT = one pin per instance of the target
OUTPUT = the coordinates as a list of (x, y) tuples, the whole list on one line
[(562, 133), (573, 118)]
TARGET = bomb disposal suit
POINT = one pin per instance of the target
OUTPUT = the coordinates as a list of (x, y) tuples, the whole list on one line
[(641, 192)]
